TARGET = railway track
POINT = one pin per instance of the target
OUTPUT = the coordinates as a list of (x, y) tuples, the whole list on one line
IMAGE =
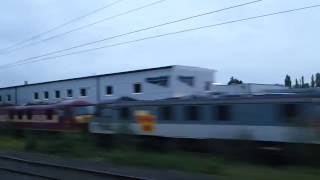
[(45, 170)]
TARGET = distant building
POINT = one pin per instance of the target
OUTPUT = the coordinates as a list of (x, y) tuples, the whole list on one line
[(246, 88), (144, 84)]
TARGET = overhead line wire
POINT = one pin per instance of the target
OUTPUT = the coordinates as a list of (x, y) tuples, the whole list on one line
[(89, 25), (61, 25), (138, 30), (166, 34)]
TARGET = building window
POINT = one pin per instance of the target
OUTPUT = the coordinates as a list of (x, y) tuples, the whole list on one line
[(83, 92), (46, 95), (207, 86), (137, 88), (35, 95), (57, 94), (124, 113), (0, 98), (166, 113), (223, 113), (109, 90), (161, 80), (69, 93), (192, 113), (189, 80), (8, 97)]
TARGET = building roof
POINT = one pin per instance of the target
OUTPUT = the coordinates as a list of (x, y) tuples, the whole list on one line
[(94, 76), (246, 84)]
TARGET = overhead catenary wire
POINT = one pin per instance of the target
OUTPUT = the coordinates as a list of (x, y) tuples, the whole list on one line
[(162, 35), (139, 30), (4, 50), (88, 25)]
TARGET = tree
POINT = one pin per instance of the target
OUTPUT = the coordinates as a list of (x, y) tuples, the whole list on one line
[(318, 80), (306, 85), (313, 83), (302, 81), (234, 81), (296, 84), (287, 81)]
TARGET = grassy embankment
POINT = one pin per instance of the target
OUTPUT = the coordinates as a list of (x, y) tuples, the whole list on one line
[(81, 146)]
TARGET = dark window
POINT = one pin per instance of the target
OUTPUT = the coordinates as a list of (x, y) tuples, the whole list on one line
[(189, 80), (8, 97), (290, 110), (20, 114), (57, 94), (192, 112), (223, 112), (69, 93), (83, 92), (35, 95), (49, 114), (166, 113), (0, 98), (29, 114), (161, 81), (109, 90), (124, 113), (11, 114), (207, 86), (137, 88), (46, 95)]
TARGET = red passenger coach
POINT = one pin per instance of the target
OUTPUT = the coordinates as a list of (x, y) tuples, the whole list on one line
[(63, 116)]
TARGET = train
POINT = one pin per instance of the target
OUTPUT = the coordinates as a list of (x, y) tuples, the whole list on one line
[(281, 118), (68, 115)]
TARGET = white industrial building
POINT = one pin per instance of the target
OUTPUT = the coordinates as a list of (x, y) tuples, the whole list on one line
[(144, 84), (246, 88)]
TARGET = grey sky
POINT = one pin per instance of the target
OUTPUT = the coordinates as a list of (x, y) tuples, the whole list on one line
[(262, 50)]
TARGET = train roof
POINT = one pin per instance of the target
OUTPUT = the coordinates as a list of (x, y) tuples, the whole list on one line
[(64, 103), (221, 99)]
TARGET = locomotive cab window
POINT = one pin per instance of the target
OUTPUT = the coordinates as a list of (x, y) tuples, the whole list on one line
[(166, 113), (290, 111), (223, 113), (84, 110), (124, 113), (192, 113)]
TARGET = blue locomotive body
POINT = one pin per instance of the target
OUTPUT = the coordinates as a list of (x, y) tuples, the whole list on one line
[(288, 118)]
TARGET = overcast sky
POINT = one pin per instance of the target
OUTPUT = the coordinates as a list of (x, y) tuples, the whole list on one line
[(259, 51)]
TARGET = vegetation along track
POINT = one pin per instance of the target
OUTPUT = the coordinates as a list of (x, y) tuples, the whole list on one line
[(46, 170)]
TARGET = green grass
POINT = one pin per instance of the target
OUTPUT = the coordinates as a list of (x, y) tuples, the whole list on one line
[(82, 147), (179, 161), (10, 143), (244, 172)]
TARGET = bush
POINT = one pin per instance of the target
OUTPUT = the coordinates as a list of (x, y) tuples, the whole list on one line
[(31, 143)]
